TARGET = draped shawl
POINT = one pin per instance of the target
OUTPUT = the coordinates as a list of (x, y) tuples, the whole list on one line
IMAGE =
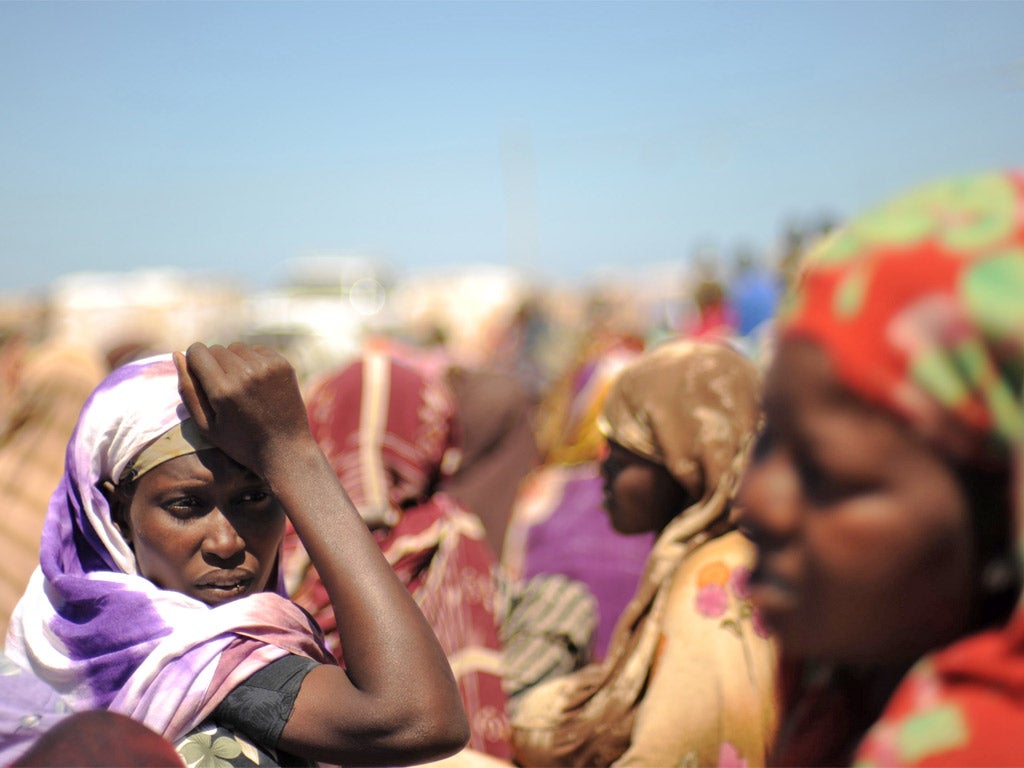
[(98, 632)]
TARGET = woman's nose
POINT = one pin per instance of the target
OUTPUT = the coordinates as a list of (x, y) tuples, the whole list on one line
[(222, 540), (768, 500)]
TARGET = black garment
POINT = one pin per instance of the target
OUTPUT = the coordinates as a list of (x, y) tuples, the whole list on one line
[(245, 727)]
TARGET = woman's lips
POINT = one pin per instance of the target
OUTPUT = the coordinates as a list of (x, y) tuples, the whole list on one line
[(218, 587)]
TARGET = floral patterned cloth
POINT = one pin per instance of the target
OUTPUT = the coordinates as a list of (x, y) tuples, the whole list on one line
[(686, 677), (711, 701), (213, 746), (920, 307)]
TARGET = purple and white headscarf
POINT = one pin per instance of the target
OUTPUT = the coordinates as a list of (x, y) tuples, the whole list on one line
[(105, 637)]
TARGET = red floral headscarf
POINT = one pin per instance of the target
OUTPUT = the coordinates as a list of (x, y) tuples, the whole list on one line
[(920, 306)]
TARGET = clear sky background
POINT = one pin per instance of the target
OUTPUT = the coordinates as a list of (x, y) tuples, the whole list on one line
[(559, 137)]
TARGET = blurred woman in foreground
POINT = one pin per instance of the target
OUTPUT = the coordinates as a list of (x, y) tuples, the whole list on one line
[(879, 494)]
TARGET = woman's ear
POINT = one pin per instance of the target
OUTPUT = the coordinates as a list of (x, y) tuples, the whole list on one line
[(119, 504)]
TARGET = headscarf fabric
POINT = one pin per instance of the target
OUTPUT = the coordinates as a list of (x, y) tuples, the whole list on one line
[(918, 306), (690, 406), (388, 430), (102, 635)]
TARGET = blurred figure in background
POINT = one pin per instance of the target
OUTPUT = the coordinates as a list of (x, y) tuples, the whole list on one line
[(495, 418), (494, 421), (559, 525), (389, 432), (688, 678), (44, 387), (518, 346), (753, 292), (715, 318)]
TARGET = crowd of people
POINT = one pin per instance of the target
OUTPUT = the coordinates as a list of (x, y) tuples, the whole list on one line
[(787, 532)]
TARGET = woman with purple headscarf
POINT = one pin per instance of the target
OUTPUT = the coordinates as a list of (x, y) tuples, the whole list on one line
[(158, 594)]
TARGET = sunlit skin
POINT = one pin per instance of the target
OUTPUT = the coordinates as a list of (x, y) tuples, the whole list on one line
[(865, 545), (205, 526), (639, 495)]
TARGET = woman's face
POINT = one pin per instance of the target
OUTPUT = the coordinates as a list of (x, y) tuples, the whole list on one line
[(863, 531), (204, 526), (639, 495)]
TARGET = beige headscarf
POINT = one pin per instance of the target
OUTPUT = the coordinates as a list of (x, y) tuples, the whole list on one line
[(692, 407)]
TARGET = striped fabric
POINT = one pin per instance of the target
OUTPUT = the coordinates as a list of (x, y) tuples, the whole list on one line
[(548, 631)]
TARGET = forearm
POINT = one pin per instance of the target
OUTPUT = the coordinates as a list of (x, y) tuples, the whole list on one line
[(377, 616), (396, 701), (409, 699)]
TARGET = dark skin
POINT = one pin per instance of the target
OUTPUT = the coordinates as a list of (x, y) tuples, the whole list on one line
[(397, 701), (639, 495), (871, 542)]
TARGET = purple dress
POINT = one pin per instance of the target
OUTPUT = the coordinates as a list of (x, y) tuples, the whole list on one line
[(576, 539)]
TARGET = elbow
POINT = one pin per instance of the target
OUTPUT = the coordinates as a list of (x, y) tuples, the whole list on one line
[(411, 737), (455, 735), (420, 730), (439, 731)]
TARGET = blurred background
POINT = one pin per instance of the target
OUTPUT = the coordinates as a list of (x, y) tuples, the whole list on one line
[(524, 191), (308, 173)]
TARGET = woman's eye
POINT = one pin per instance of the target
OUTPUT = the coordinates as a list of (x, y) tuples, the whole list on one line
[(254, 497), (824, 487), (183, 506)]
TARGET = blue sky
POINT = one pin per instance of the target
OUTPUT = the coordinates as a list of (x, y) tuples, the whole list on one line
[(560, 137)]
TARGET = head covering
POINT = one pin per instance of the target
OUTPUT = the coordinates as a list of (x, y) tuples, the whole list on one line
[(568, 415), (918, 305), (180, 440), (102, 635), (692, 407), (387, 430)]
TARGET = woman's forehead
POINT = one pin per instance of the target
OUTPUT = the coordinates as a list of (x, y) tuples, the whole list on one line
[(802, 381), (208, 465)]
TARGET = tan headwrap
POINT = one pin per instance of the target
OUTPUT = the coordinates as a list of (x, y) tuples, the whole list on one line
[(180, 440), (689, 406), (692, 407)]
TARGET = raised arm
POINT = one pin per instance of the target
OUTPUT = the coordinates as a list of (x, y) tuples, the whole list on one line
[(396, 701)]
